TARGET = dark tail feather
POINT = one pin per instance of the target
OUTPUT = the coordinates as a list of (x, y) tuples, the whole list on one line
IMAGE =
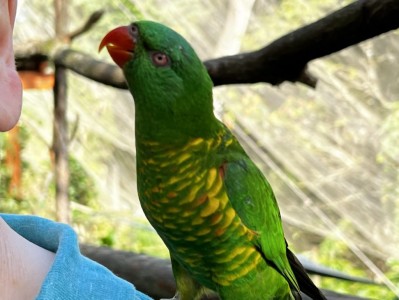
[(305, 283)]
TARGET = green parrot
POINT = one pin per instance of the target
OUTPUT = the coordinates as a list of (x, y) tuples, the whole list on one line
[(210, 204)]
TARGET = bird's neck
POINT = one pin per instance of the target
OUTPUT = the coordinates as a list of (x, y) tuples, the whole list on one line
[(155, 156), (177, 130)]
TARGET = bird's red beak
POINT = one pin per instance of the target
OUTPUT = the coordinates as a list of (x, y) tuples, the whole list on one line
[(120, 45)]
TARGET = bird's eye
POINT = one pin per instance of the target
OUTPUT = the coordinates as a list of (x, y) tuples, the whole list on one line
[(160, 59), (134, 29)]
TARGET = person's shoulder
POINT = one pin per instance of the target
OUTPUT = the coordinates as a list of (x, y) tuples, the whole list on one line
[(72, 275)]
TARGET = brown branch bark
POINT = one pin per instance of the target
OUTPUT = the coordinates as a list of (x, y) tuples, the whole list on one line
[(60, 146), (31, 55), (284, 59), (91, 21), (153, 276), (91, 68), (60, 124)]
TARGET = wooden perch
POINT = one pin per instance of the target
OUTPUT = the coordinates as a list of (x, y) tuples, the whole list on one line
[(88, 67), (286, 58), (153, 276), (283, 60)]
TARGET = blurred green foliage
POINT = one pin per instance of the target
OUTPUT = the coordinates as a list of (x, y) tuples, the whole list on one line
[(82, 187), (336, 253), (97, 224), (119, 230)]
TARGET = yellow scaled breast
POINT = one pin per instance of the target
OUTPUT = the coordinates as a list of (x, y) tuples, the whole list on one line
[(190, 206)]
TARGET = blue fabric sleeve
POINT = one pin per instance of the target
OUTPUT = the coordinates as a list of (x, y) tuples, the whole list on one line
[(72, 275)]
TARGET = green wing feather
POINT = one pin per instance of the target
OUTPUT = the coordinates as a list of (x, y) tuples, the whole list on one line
[(252, 197)]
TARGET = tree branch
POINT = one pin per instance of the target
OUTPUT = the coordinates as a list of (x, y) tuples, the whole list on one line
[(29, 55), (150, 275), (153, 276), (60, 125), (88, 67), (91, 21), (284, 59)]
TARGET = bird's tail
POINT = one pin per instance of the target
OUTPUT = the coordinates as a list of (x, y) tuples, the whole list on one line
[(306, 285)]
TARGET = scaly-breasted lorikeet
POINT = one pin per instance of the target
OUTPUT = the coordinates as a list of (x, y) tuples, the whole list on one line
[(210, 204)]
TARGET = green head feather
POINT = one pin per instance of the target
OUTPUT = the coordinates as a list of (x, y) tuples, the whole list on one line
[(170, 85)]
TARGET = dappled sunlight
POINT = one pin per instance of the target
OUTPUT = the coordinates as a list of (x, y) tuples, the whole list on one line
[(330, 153)]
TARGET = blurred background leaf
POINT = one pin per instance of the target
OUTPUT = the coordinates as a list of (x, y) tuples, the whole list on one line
[(331, 153)]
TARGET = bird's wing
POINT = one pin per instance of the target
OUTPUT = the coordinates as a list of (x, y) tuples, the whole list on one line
[(252, 198)]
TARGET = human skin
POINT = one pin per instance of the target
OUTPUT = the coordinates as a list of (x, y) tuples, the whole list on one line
[(23, 265), (10, 84)]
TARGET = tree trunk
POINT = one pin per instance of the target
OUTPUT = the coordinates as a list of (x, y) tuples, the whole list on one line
[(60, 146), (60, 133)]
